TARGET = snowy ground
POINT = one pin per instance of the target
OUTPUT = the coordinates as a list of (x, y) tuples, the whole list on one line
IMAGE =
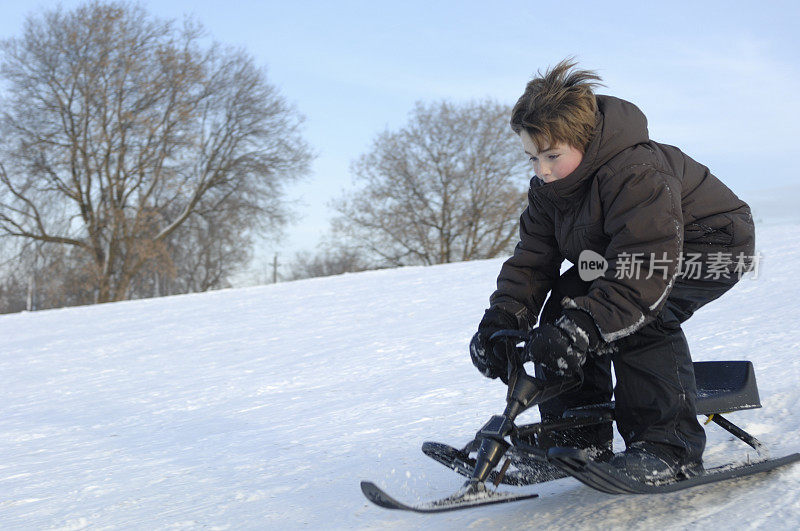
[(263, 407)]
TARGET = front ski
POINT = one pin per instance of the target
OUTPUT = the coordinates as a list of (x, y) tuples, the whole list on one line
[(605, 478), (463, 499), (523, 469)]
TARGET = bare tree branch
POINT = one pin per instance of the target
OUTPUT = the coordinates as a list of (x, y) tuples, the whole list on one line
[(124, 135), (448, 186)]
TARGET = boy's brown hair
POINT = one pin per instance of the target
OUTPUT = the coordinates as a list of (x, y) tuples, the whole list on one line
[(558, 106)]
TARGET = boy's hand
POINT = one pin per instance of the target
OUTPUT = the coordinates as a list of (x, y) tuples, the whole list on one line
[(563, 347), (491, 357)]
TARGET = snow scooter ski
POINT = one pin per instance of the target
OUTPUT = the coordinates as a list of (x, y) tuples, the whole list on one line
[(722, 386)]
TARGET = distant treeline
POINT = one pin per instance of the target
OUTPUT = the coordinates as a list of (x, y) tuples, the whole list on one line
[(137, 160)]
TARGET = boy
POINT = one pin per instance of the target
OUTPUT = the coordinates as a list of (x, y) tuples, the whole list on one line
[(650, 211)]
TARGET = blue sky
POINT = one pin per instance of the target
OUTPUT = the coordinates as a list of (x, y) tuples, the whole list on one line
[(718, 79)]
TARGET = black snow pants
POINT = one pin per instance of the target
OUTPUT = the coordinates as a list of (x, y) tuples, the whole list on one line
[(655, 392)]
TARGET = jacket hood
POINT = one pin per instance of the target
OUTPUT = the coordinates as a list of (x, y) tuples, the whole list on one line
[(620, 125)]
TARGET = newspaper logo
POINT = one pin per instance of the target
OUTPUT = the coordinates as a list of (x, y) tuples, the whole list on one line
[(591, 265)]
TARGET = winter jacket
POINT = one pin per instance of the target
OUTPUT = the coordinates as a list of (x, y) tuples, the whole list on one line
[(629, 195)]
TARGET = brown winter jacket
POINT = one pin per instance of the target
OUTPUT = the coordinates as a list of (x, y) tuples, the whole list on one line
[(628, 195)]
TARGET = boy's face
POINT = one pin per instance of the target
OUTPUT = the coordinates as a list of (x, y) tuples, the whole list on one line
[(553, 163)]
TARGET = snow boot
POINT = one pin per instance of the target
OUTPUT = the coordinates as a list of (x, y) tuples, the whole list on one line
[(649, 463)]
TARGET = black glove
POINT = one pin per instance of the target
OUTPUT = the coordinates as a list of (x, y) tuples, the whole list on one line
[(562, 348), (491, 357)]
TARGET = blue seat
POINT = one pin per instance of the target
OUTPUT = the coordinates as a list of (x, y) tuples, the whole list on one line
[(722, 387)]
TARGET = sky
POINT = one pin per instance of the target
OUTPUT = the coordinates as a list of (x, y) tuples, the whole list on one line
[(717, 79)]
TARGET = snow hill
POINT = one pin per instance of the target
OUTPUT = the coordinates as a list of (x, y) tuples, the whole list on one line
[(262, 408)]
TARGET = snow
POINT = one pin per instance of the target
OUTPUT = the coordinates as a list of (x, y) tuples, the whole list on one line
[(263, 408)]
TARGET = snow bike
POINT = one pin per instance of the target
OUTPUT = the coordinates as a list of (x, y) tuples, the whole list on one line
[(722, 386)]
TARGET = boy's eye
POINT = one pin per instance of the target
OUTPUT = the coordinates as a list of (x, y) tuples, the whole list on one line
[(550, 157)]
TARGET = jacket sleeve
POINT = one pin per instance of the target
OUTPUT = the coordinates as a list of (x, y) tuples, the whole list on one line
[(526, 277), (644, 220)]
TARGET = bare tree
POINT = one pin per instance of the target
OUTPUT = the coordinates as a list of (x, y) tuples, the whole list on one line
[(36, 275), (203, 254), (121, 130), (16, 278), (329, 261), (448, 186)]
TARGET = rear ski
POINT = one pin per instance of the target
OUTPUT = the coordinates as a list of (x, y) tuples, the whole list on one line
[(605, 478)]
